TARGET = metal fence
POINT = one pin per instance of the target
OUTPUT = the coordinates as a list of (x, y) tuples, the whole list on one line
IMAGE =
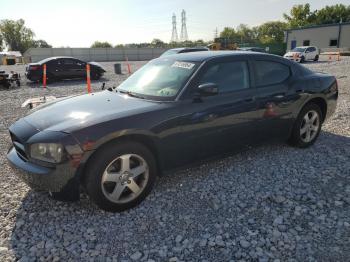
[(95, 54), (275, 48)]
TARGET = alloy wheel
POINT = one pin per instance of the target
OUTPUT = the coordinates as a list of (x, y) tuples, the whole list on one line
[(309, 126), (125, 178)]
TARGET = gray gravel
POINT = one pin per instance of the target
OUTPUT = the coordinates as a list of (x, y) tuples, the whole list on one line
[(270, 203)]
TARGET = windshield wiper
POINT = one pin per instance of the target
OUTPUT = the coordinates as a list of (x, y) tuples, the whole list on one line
[(131, 94)]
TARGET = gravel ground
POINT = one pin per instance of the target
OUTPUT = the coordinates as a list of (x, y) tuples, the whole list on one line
[(271, 203)]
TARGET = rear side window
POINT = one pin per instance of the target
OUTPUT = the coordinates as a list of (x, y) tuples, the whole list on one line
[(270, 73), (229, 76)]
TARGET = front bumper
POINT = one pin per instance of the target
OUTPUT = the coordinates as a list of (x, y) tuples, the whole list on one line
[(297, 59), (53, 179)]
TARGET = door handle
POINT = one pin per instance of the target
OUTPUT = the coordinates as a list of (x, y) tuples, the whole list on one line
[(250, 99), (279, 96)]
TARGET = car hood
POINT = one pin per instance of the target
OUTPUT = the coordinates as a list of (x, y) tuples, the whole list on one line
[(72, 113), (97, 65), (292, 53)]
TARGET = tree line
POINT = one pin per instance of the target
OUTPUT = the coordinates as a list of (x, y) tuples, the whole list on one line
[(16, 36), (267, 33), (299, 16)]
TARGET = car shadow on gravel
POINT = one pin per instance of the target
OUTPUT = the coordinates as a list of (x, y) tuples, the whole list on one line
[(237, 194)]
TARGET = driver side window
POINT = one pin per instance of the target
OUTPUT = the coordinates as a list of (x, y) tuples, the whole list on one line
[(229, 76)]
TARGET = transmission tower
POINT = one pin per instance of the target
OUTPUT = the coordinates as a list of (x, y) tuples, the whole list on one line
[(216, 33), (174, 37), (183, 36)]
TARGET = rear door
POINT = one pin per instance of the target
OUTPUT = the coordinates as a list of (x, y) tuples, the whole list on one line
[(275, 98), (72, 68), (216, 124)]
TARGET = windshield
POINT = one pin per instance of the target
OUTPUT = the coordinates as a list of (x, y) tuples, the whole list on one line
[(299, 49), (160, 78), (170, 52)]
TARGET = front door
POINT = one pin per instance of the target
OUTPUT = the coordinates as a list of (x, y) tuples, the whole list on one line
[(215, 124)]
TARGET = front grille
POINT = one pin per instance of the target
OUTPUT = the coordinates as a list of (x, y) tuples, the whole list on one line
[(19, 147)]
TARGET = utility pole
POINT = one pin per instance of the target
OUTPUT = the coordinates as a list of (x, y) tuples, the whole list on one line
[(216, 33), (174, 37), (183, 36)]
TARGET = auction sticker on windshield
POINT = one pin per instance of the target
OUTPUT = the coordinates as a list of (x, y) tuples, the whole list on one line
[(184, 65)]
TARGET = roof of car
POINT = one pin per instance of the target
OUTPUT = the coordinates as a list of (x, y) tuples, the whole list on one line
[(206, 55), (188, 48), (305, 46), (58, 57)]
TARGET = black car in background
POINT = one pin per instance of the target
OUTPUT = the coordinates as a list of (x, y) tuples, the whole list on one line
[(181, 50), (253, 49), (58, 68), (174, 111)]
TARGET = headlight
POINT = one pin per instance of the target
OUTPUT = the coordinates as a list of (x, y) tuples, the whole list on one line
[(48, 152)]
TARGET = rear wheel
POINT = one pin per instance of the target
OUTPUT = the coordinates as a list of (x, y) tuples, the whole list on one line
[(120, 176), (316, 58), (307, 126)]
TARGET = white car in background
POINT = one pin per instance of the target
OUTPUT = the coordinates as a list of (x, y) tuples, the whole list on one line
[(303, 53)]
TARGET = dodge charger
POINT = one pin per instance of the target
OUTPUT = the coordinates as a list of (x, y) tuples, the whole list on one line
[(175, 111)]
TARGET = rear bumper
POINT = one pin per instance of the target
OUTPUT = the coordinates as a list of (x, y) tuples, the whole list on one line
[(32, 77), (53, 179)]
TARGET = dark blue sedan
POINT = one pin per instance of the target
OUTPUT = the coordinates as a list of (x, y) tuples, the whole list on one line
[(174, 111)]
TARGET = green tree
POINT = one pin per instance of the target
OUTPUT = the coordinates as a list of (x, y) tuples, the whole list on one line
[(98, 44), (271, 32), (15, 35), (333, 14), (300, 15), (229, 32), (41, 43), (157, 43), (245, 33)]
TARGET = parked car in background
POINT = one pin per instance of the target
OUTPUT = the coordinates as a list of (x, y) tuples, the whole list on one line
[(174, 111), (58, 68), (184, 50), (253, 49), (303, 53)]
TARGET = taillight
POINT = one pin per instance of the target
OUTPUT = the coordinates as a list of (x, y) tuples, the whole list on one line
[(34, 67)]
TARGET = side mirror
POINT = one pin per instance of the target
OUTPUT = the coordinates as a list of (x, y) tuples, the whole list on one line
[(208, 89)]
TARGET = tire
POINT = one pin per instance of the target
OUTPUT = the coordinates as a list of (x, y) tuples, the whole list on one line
[(302, 128), (110, 183), (302, 59), (316, 58)]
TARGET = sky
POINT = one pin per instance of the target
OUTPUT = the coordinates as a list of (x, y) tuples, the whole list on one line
[(78, 23)]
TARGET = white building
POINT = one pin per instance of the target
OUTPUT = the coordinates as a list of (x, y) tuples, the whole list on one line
[(333, 37)]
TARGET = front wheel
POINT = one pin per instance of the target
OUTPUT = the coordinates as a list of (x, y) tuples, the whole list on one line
[(120, 176), (307, 126), (316, 58), (95, 76)]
